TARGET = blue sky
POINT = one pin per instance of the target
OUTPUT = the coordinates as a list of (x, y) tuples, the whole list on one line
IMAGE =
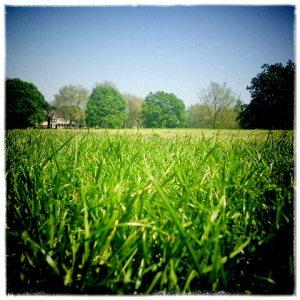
[(177, 49)]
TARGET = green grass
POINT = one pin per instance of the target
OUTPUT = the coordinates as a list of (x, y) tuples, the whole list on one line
[(149, 211)]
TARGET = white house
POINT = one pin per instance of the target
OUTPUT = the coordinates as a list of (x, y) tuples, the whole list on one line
[(55, 120)]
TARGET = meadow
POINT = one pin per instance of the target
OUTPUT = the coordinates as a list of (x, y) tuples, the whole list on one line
[(130, 212)]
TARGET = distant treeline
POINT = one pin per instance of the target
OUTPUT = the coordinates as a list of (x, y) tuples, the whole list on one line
[(271, 106)]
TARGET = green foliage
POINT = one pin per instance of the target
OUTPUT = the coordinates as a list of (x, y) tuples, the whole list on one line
[(133, 111), (163, 110), (272, 104), (216, 107), (106, 83), (71, 102), (105, 108), (25, 105), (174, 211), (200, 116)]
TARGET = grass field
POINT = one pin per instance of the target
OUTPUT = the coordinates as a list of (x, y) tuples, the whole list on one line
[(150, 211)]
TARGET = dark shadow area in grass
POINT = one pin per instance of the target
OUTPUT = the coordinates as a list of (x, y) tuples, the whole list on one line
[(269, 270), (274, 260)]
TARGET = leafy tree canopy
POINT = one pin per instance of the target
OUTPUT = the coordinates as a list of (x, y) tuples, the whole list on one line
[(25, 105), (272, 93), (106, 83), (199, 116), (219, 101), (163, 110), (133, 110), (105, 108), (71, 102)]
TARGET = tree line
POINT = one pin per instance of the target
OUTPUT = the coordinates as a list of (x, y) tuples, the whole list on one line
[(271, 105)]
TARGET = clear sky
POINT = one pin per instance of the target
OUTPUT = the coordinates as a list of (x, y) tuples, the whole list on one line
[(177, 49)]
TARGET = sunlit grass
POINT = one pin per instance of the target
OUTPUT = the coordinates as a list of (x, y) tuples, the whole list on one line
[(145, 211)]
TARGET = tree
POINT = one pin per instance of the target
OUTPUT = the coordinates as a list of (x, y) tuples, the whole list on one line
[(25, 105), (238, 106), (272, 104), (221, 100), (106, 83), (162, 109), (71, 102), (133, 110), (199, 116), (105, 108)]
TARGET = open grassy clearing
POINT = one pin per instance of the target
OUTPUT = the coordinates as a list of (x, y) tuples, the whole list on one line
[(223, 134), (147, 211)]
